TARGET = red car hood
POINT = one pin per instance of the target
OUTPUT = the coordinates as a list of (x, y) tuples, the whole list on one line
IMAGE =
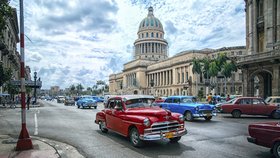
[(266, 124), (154, 111)]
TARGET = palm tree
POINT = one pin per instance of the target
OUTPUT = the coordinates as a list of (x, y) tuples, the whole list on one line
[(196, 69), (227, 69), (79, 88), (72, 89)]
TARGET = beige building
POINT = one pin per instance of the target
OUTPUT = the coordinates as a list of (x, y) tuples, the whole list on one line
[(261, 66), (152, 72), (9, 56)]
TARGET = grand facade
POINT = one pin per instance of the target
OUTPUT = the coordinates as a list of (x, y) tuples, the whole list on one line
[(153, 72), (9, 56), (261, 67)]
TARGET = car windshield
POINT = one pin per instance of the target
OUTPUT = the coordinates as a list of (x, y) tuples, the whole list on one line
[(231, 101), (139, 102), (188, 100), (268, 99)]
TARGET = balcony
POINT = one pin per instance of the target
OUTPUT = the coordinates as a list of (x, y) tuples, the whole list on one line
[(259, 57)]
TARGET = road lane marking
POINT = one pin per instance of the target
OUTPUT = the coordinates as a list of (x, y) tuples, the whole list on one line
[(36, 124)]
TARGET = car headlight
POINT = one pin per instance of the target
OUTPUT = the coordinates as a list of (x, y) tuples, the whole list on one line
[(146, 122), (181, 118)]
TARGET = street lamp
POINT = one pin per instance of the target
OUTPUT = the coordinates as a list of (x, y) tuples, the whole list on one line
[(35, 78)]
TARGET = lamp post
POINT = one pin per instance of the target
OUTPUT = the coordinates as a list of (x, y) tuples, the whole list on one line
[(35, 79)]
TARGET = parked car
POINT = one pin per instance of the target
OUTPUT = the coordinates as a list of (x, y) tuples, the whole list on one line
[(60, 99), (267, 135), (250, 106), (188, 106), (219, 105), (69, 101), (160, 99), (273, 100), (98, 99), (86, 103), (134, 116)]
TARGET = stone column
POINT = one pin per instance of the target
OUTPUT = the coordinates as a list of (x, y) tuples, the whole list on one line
[(278, 22), (158, 79), (250, 13), (245, 82), (254, 26), (276, 81), (268, 23)]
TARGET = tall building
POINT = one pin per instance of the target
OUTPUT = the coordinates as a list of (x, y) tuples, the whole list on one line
[(9, 56), (152, 72), (261, 67)]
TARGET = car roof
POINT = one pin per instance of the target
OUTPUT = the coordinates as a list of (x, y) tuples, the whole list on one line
[(182, 96), (274, 97), (130, 97)]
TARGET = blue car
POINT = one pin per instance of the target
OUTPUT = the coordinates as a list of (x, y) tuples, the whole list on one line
[(188, 106), (86, 102), (98, 99)]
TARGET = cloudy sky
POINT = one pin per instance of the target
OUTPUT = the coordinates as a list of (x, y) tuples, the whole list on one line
[(82, 41)]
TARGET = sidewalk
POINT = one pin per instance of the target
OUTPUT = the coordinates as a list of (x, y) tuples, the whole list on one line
[(42, 148)]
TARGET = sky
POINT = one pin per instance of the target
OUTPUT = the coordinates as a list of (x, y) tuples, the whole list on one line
[(82, 41)]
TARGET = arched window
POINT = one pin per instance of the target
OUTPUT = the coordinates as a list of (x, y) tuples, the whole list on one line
[(147, 34), (152, 34), (157, 35)]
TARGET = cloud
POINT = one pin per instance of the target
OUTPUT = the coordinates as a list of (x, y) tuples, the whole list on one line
[(73, 41)]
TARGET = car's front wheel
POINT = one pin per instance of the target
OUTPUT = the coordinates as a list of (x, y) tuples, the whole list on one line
[(135, 138), (207, 118), (174, 140), (188, 116), (102, 127), (276, 150), (236, 114)]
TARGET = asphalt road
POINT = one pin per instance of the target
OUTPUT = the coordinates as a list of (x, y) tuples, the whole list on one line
[(222, 137)]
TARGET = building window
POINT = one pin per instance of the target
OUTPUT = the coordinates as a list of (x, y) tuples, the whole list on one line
[(157, 35), (152, 34), (187, 76), (160, 35), (183, 77), (142, 35), (240, 76), (147, 34)]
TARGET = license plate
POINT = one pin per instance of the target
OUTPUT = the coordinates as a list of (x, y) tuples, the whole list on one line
[(169, 135)]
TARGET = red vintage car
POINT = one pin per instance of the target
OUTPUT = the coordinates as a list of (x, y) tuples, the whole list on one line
[(134, 116), (250, 106), (267, 135)]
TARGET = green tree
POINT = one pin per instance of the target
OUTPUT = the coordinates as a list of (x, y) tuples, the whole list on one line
[(11, 89), (5, 13), (196, 69), (72, 89), (5, 73), (79, 88)]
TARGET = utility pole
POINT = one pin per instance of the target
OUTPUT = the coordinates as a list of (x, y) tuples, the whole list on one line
[(24, 141)]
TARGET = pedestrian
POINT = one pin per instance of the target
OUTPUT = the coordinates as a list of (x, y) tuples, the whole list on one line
[(228, 98), (28, 101)]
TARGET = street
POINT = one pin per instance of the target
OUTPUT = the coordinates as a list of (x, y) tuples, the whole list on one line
[(221, 137)]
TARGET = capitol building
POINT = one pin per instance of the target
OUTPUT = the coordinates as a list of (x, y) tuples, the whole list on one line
[(153, 72)]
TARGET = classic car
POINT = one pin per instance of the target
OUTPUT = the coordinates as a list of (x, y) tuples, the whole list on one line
[(133, 116), (250, 106), (98, 99), (60, 99), (188, 106), (86, 102), (69, 101), (266, 134), (273, 100), (160, 99)]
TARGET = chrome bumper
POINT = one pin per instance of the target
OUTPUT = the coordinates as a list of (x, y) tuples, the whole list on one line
[(162, 135), (204, 115)]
